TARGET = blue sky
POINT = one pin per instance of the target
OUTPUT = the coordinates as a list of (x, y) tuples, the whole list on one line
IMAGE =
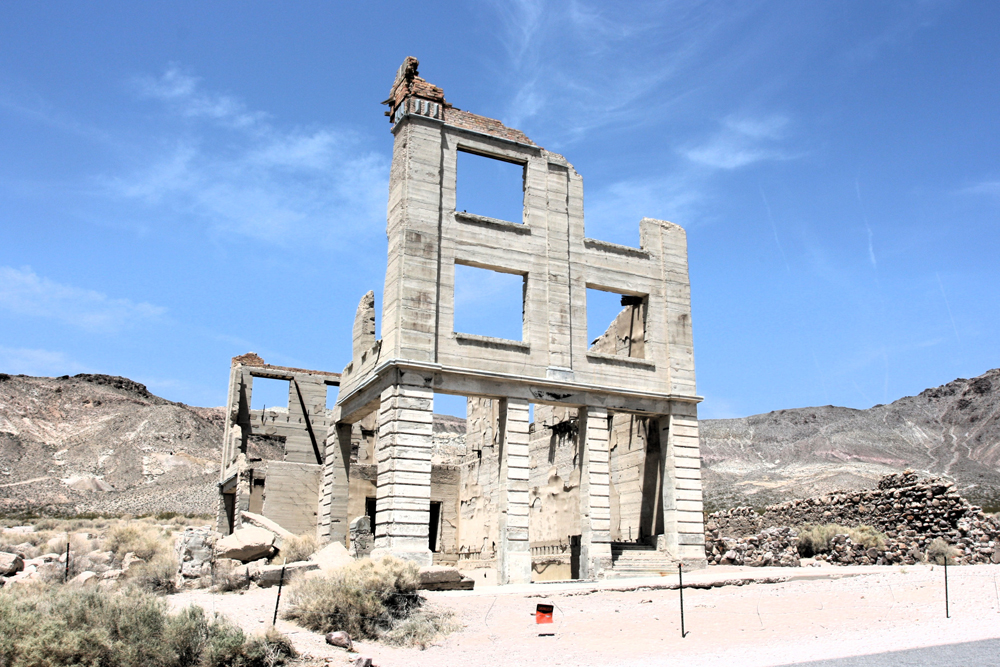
[(182, 182)]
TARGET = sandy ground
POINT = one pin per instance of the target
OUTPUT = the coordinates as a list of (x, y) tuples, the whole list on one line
[(816, 613)]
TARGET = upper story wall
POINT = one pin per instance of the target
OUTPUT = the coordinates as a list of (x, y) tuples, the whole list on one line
[(547, 247)]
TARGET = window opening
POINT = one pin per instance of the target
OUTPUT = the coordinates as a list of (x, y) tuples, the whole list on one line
[(269, 393), (434, 526), (370, 511), (489, 187), (625, 336), (489, 302)]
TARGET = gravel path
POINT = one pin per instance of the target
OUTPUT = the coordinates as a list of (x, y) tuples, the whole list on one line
[(827, 615)]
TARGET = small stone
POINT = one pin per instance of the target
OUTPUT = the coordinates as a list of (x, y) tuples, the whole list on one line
[(341, 639)]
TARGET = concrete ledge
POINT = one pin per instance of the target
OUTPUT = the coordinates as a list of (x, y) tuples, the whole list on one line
[(494, 223), (491, 342), (634, 362)]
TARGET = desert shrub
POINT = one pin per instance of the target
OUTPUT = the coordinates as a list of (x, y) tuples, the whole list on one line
[(421, 628), (140, 539), (298, 548), (267, 650), (61, 626), (156, 576), (868, 537), (814, 540), (938, 551), (366, 599)]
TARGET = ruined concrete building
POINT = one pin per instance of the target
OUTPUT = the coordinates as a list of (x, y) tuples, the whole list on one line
[(606, 479)]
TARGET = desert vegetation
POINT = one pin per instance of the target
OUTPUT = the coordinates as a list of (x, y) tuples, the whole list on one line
[(369, 600), (57, 625), (816, 539)]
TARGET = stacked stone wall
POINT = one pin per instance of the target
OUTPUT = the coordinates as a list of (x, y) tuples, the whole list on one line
[(910, 512)]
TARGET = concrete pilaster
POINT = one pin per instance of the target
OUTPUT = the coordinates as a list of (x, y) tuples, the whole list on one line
[(595, 505), (514, 551), (405, 432), (333, 519), (683, 518)]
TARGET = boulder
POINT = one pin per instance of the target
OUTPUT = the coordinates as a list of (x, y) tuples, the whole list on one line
[(266, 524), (195, 550), (10, 564), (331, 557), (270, 575), (129, 560), (444, 578), (362, 539), (87, 578), (341, 639), (246, 544), (100, 557)]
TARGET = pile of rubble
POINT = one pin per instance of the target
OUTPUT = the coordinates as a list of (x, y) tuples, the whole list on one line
[(774, 547), (250, 555), (910, 512)]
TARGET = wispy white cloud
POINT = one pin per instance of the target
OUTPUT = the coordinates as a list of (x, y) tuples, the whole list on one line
[(23, 292), (742, 141), (613, 213), (270, 183), (989, 188), (566, 60), (21, 360), (183, 92)]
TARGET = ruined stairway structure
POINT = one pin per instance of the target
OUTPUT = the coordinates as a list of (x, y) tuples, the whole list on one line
[(605, 479)]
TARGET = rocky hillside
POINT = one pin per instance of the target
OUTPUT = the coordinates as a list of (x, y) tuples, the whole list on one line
[(96, 443), (952, 431)]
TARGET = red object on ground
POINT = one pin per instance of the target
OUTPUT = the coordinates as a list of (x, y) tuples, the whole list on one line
[(543, 613)]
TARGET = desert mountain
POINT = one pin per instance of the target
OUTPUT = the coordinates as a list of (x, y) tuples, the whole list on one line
[(952, 430), (97, 443)]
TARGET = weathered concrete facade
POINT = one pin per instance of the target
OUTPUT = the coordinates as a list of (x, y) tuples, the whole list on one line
[(273, 459), (649, 377), (604, 481)]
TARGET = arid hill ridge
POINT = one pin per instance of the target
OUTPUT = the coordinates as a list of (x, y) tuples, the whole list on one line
[(99, 443), (952, 430)]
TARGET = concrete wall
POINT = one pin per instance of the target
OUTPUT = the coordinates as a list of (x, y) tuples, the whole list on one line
[(293, 435)]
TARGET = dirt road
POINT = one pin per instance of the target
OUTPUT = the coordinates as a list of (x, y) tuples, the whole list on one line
[(825, 616)]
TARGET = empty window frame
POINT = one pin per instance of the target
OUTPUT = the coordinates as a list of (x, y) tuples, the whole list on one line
[(490, 187), (269, 393), (616, 323), (489, 302)]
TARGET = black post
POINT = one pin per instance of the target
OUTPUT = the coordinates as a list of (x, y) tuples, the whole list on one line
[(66, 571), (281, 582), (946, 611), (680, 587)]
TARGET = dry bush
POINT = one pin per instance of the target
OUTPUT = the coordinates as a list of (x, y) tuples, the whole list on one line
[(297, 548), (868, 537), (421, 628), (814, 540), (366, 599), (63, 626), (145, 541), (938, 551), (156, 576)]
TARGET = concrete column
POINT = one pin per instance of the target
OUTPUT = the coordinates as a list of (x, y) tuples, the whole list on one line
[(514, 549), (405, 432), (683, 520), (333, 519), (595, 505)]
